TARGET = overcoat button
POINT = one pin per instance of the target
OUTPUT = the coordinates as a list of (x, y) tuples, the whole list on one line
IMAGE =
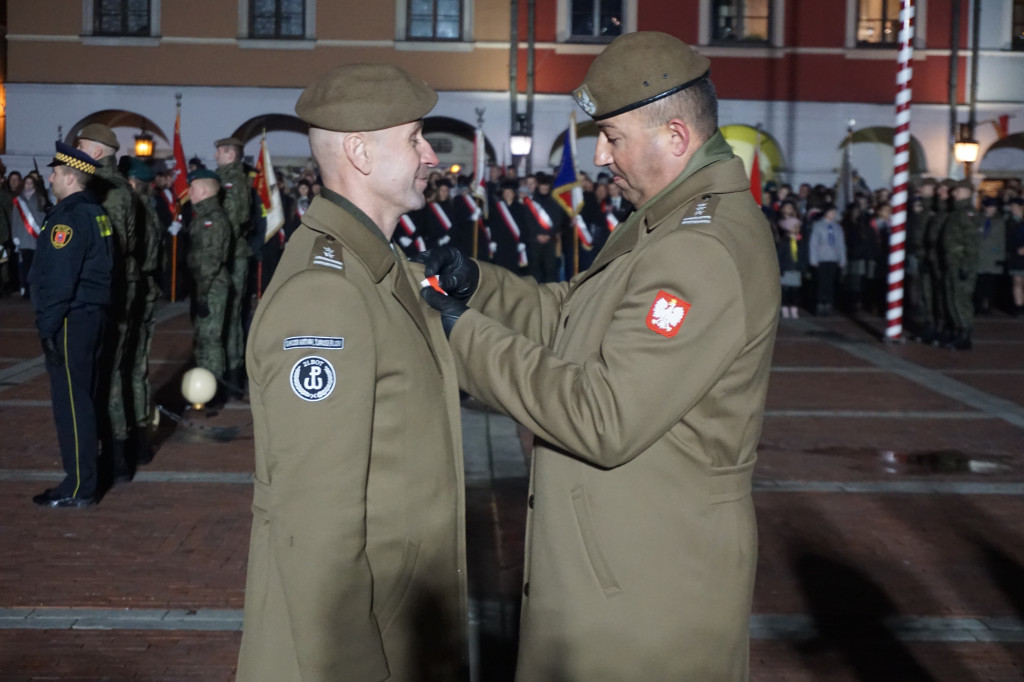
[(529, 502), (526, 590)]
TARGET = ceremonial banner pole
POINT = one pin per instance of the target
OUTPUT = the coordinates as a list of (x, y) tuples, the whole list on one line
[(901, 175)]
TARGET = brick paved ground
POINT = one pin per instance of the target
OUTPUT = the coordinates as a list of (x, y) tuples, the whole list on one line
[(890, 495)]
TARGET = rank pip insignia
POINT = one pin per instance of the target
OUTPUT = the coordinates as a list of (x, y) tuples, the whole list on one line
[(667, 314), (60, 235)]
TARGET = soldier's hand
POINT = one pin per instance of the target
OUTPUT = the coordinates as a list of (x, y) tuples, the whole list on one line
[(202, 308), (450, 307), (457, 275), (962, 274), (52, 351)]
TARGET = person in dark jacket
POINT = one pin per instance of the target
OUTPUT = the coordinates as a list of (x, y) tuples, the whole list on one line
[(71, 276)]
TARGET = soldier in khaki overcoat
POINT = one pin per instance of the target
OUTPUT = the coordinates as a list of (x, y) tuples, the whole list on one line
[(644, 380), (357, 558)]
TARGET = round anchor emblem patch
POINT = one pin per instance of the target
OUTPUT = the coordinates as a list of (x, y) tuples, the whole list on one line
[(313, 378)]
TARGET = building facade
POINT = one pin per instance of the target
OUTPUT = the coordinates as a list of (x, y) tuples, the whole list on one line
[(799, 71)]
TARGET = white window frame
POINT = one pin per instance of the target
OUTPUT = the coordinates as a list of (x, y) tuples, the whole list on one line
[(920, 22), (563, 27), (778, 14), (88, 14), (306, 42), (402, 27)]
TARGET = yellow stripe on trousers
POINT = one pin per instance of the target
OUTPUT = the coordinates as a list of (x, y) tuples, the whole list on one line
[(74, 419)]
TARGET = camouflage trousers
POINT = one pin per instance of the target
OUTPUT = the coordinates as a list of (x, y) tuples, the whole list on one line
[(959, 299), (142, 401), (209, 330), (234, 346), (117, 361)]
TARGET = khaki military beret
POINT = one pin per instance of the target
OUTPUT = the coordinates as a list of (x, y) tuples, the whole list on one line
[(364, 97), (228, 142), (97, 132), (637, 69)]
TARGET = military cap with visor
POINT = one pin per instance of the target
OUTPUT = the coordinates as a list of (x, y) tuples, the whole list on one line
[(365, 97), (97, 132), (637, 69), (66, 155)]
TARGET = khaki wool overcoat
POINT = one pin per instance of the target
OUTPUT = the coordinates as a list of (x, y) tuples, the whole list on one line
[(357, 556), (641, 541)]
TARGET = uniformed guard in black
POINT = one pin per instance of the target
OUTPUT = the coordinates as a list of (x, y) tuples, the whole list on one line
[(71, 279)]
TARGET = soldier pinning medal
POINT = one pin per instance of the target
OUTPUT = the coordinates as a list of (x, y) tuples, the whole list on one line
[(644, 381)]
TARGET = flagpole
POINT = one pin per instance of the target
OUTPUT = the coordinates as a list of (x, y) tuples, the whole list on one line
[(901, 174), (174, 238)]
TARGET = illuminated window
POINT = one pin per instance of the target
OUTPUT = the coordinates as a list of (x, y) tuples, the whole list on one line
[(277, 19), (596, 19), (878, 22), (434, 20), (121, 18), (741, 21)]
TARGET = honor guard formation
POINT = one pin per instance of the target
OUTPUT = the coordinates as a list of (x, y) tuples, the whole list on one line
[(627, 321)]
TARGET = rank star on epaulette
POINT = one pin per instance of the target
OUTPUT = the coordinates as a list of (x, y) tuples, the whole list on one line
[(702, 211)]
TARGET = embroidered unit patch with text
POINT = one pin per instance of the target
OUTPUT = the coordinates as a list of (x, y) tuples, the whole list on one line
[(667, 314)]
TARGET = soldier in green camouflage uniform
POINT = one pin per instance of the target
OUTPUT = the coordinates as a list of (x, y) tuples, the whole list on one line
[(209, 260), (140, 176), (237, 204), (120, 205), (960, 256), (932, 284), (918, 299)]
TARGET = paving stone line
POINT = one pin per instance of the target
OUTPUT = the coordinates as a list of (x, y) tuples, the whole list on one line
[(930, 379), (762, 626)]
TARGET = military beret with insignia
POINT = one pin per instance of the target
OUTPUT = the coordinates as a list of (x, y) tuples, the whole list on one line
[(139, 170), (97, 132), (203, 174), (637, 69), (66, 155), (364, 97), (228, 142)]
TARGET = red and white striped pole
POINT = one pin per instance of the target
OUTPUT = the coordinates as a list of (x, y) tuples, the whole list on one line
[(901, 175)]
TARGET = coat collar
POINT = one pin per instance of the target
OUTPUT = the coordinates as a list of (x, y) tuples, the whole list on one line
[(335, 215), (712, 170)]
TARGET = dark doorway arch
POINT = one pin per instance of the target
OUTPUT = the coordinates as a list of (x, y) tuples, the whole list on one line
[(255, 126), (117, 118)]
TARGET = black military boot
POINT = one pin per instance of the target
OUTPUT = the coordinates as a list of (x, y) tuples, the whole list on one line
[(123, 466), (139, 446)]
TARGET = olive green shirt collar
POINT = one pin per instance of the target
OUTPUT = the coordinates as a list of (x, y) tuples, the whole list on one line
[(369, 244)]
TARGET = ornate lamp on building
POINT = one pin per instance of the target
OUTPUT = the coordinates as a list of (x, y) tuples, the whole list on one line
[(521, 141), (143, 145), (966, 148)]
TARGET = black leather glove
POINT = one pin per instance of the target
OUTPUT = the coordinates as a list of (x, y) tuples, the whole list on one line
[(457, 275), (52, 351), (963, 275), (450, 307), (202, 308)]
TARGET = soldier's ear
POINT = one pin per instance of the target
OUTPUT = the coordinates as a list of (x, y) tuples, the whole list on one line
[(357, 151)]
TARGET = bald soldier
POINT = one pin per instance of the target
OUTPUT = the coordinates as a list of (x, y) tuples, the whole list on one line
[(357, 558), (644, 380)]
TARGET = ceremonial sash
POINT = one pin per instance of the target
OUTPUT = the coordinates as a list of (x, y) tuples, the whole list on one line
[(510, 222), (581, 229), (539, 213), (410, 229), (441, 215), (473, 208), (26, 217)]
